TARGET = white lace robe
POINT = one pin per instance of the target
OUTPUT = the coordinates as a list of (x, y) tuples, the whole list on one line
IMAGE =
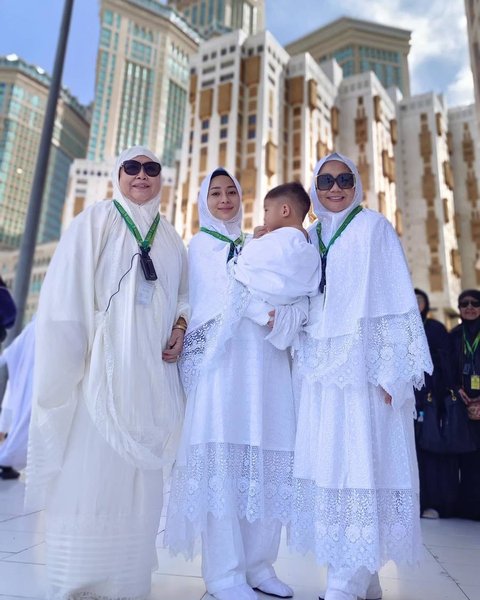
[(356, 481), (236, 451)]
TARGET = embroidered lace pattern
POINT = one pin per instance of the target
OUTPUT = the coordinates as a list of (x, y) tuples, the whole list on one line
[(356, 527), (224, 479), (204, 345), (382, 349)]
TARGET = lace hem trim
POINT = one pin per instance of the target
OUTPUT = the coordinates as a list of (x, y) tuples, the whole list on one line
[(356, 527)]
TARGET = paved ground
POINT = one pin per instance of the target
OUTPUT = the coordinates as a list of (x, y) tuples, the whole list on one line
[(451, 570)]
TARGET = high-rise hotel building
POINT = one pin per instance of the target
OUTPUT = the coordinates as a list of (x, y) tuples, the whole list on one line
[(141, 80), (361, 46), (210, 17), (24, 91)]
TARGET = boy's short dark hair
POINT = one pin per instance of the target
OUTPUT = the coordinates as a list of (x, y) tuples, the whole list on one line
[(297, 195)]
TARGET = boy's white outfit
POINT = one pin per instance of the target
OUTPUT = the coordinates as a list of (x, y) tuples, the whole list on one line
[(356, 480), (107, 409), (17, 405), (280, 269), (232, 482)]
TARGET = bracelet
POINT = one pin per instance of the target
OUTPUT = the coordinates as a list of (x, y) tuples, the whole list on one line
[(179, 326)]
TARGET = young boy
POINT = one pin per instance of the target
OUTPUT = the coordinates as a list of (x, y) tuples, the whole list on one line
[(279, 265)]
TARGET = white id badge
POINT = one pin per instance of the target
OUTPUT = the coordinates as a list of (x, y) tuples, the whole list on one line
[(145, 292)]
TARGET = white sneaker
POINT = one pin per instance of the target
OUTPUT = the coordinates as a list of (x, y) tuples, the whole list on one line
[(274, 587), (374, 590), (430, 513), (238, 592)]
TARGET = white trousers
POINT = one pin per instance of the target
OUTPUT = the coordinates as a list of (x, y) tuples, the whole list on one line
[(235, 551), (348, 581)]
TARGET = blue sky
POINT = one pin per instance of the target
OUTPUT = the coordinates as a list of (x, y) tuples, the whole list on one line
[(438, 58)]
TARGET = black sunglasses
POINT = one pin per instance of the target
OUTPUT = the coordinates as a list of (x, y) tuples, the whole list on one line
[(465, 303), (133, 167), (345, 181)]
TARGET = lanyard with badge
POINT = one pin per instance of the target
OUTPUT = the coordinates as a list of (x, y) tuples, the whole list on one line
[(469, 366), (324, 249), (234, 244)]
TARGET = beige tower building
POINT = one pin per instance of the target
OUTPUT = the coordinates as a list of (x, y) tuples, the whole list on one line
[(472, 10), (466, 167), (24, 91), (425, 188), (360, 46), (141, 80), (211, 17)]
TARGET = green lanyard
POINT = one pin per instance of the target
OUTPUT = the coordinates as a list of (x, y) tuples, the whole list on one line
[(471, 349), (145, 244), (324, 249), (224, 238)]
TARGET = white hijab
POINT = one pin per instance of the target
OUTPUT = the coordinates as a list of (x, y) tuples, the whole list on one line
[(142, 214), (331, 221), (231, 228)]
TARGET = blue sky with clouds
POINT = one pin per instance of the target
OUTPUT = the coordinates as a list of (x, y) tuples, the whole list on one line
[(438, 58)]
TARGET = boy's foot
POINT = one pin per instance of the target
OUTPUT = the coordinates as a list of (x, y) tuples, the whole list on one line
[(8, 473), (274, 587)]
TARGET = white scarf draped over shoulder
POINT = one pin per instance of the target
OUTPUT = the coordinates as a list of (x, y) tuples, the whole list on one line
[(97, 342), (366, 327)]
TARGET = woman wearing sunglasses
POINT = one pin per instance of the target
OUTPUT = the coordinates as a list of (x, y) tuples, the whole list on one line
[(465, 342), (107, 398), (363, 350)]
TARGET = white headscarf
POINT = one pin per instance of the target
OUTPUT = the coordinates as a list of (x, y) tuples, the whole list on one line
[(330, 220), (231, 228), (142, 214)]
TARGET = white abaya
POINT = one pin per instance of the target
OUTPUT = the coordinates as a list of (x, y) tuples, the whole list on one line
[(19, 358), (231, 484), (107, 408), (356, 481)]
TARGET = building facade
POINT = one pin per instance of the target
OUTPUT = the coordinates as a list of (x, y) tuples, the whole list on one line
[(465, 154), (425, 189), (23, 97), (142, 79), (360, 46), (211, 17)]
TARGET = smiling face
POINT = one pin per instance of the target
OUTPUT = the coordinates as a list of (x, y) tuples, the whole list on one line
[(469, 312), (139, 188), (223, 200), (335, 199)]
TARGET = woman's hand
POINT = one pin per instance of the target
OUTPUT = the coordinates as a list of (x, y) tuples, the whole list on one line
[(271, 320), (174, 346), (259, 231)]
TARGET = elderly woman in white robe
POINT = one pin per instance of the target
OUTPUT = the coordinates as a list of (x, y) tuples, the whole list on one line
[(231, 486), (364, 349), (108, 403)]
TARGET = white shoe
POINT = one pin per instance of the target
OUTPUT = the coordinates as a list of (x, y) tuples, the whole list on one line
[(237, 592), (374, 590), (274, 587), (430, 513)]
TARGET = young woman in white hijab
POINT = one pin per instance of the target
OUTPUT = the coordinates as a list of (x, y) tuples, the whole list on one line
[(362, 352), (231, 486), (108, 403)]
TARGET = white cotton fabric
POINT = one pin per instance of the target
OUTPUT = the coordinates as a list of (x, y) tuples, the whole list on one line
[(279, 267), (107, 408), (356, 481), (235, 454), (18, 357)]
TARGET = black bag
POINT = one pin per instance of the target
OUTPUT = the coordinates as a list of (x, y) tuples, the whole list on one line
[(446, 432)]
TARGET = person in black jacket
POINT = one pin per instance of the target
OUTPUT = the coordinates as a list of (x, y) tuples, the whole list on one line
[(8, 310), (438, 472), (465, 349)]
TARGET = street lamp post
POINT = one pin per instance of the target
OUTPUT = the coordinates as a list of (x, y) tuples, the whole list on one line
[(29, 239)]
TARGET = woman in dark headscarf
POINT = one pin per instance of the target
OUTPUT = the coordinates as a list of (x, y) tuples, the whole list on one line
[(465, 348), (438, 472)]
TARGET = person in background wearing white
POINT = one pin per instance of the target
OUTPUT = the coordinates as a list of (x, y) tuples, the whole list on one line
[(108, 403)]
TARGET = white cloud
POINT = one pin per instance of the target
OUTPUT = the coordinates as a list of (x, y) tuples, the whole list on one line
[(460, 91)]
